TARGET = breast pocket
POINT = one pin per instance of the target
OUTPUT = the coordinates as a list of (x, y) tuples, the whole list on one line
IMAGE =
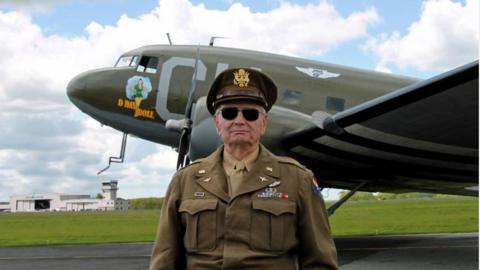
[(273, 225), (200, 220)]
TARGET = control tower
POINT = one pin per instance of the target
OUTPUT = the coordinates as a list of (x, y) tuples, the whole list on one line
[(109, 190)]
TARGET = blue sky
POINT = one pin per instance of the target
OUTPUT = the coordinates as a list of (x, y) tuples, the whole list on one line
[(48, 145)]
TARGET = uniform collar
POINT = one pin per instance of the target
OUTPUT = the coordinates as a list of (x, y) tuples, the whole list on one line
[(229, 161), (211, 175)]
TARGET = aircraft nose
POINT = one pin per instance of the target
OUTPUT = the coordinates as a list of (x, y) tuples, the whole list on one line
[(75, 87)]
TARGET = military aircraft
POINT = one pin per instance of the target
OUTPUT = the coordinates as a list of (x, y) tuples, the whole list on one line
[(355, 129)]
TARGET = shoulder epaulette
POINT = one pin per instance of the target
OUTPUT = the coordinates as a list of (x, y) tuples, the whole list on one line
[(289, 160), (191, 163)]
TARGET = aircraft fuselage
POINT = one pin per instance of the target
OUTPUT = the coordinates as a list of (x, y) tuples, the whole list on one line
[(304, 86)]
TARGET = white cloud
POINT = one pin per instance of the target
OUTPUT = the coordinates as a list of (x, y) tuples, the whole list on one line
[(46, 145), (445, 36), (31, 5)]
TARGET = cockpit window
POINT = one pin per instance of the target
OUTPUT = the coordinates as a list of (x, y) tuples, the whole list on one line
[(134, 62), (124, 61), (148, 64)]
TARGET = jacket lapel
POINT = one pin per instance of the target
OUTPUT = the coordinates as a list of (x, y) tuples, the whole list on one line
[(211, 175)]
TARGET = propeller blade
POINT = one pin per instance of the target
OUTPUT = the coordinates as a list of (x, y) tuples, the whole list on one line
[(183, 148), (184, 142)]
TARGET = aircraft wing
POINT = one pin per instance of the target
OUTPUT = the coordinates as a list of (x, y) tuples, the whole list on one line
[(423, 137)]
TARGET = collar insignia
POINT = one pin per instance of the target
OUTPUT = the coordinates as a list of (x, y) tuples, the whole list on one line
[(241, 78)]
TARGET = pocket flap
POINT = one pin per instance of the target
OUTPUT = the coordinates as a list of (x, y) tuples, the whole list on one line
[(275, 207), (194, 206)]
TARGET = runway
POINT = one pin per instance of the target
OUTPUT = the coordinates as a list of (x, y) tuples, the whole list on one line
[(435, 251)]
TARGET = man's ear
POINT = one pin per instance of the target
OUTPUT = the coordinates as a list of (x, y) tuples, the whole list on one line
[(264, 123), (217, 123)]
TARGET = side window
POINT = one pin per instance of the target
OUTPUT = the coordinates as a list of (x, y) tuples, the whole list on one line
[(292, 97), (335, 104), (148, 64), (127, 61), (134, 62), (124, 61)]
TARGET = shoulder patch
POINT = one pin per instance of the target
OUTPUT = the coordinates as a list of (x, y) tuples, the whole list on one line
[(316, 188)]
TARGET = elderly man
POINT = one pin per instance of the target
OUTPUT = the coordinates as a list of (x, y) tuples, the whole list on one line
[(242, 207)]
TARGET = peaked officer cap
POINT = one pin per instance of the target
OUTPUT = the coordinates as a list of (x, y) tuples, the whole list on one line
[(242, 84)]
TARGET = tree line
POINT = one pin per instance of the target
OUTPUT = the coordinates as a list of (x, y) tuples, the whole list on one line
[(368, 196), (145, 203), (156, 203)]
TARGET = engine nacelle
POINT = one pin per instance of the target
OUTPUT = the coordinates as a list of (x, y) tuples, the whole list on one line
[(203, 139)]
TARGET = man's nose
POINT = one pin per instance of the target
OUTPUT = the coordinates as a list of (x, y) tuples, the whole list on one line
[(239, 118)]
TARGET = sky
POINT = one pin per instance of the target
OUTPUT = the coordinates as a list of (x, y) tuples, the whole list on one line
[(48, 145)]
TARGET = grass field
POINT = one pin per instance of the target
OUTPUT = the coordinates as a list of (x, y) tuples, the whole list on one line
[(353, 218), (406, 217)]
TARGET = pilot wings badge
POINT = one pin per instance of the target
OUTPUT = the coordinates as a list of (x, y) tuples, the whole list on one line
[(318, 73), (241, 78)]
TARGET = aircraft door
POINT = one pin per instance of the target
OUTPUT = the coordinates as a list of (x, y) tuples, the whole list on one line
[(175, 84)]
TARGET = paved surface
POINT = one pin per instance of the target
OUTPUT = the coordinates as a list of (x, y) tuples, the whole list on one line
[(446, 251)]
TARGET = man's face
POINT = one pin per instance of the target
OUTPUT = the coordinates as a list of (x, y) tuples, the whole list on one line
[(240, 131)]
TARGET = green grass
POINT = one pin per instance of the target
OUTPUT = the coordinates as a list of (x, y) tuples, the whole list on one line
[(18, 229), (406, 217), (353, 218)]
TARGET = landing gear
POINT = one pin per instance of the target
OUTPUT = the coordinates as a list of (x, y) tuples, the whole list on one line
[(117, 159)]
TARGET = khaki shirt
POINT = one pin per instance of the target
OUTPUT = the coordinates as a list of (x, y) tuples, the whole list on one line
[(229, 161), (275, 221)]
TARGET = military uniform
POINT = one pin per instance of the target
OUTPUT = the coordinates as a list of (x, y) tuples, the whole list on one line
[(276, 220)]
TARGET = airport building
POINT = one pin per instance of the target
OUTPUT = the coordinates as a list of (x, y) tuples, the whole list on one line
[(65, 202), (4, 206)]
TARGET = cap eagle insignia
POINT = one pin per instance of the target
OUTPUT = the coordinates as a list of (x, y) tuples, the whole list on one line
[(241, 78)]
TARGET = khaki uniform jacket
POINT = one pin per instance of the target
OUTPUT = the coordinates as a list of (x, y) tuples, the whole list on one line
[(275, 221)]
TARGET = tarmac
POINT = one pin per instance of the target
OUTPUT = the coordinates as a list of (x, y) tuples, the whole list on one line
[(433, 251)]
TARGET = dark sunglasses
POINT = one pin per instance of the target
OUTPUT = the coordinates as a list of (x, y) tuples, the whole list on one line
[(248, 113)]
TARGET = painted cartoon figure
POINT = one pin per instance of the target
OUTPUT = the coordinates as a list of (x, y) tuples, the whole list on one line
[(137, 89), (138, 93)]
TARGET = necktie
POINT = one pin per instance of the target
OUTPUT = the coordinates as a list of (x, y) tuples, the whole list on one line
[(236, 177)]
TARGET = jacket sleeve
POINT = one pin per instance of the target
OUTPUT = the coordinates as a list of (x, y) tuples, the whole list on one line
[(316, 247), (168, 252)]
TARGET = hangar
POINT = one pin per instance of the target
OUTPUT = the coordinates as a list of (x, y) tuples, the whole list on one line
[(67, 202)]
